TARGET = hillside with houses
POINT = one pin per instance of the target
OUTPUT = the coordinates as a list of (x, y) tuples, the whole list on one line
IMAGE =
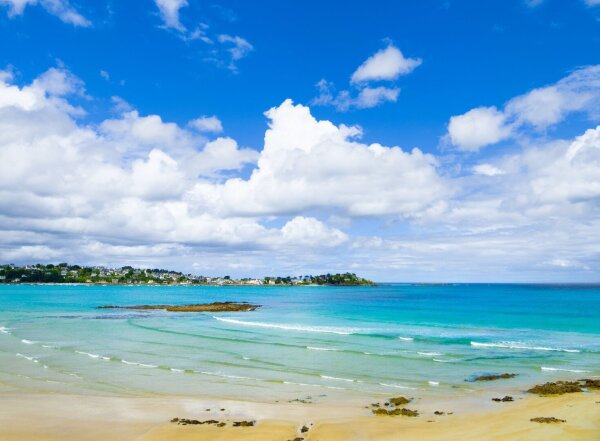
[(127, 275)]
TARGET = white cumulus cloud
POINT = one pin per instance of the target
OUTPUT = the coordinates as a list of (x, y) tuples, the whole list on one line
[(535, 110), (207, 124), (386, 64), (169, 12)]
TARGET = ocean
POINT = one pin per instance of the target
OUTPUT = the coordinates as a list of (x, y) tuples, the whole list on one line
[(312, 342)]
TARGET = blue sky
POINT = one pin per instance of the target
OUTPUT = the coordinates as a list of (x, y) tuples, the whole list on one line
[(495, 95)]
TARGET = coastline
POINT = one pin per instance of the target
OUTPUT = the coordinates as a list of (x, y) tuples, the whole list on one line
[(51, 417)]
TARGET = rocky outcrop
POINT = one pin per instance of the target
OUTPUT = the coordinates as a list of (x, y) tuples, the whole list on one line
[(199, 307), (503, 400)]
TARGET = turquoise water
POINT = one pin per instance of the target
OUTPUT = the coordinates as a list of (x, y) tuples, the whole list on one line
[(317, 341)]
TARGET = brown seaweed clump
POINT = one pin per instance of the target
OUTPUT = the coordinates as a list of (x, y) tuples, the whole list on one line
[(399, 401), (187, 421), (391, 412), (494, 377), (504, 399), (548, 420), (244, 423), (393, 409), (558, 388)]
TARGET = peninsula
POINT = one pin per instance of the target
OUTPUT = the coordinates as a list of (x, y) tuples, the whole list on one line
[(128, 275)]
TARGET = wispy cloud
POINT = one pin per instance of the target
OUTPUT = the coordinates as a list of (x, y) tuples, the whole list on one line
[(385, 65), (60, 8)]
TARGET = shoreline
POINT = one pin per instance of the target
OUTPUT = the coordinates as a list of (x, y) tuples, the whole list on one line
[(54, 416)]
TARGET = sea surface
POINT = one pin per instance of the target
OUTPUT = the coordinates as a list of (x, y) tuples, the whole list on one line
[(303, 342)]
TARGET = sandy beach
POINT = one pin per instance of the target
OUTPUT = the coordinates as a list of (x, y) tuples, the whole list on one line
[(50, 417)]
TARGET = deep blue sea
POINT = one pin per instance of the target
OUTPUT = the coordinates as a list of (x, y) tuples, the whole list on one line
[(318, 341)]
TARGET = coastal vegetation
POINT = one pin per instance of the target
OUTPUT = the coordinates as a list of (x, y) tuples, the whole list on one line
[(128, 275)]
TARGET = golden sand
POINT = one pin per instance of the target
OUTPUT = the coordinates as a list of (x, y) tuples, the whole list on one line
[(87, 418)]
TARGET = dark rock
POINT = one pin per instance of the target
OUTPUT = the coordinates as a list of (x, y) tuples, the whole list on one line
[(439, 412), (221, 424), (504, 399), (174, 420), (547, 420), (558, 388), (304, 429)]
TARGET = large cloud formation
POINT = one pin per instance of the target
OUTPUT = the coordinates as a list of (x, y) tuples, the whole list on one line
[(137, 189)]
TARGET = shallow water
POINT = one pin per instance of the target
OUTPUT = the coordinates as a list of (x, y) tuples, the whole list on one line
[(304, 341)]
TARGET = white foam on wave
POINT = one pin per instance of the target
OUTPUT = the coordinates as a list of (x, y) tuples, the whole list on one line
[(348, 380), (433, 383), (49, 346), (302, 328), (4, 330), (316, 348), (88, 354), (577, 371), (397, 386), (28, 342), (438, 360), (301, 384), (27, 357), (177, 371), (134, 363), (511, 345), (429, 354), (406, 338)]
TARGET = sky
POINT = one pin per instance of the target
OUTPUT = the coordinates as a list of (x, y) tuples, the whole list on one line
[(405, 141)]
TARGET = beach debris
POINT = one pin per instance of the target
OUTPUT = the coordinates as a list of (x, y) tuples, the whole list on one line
[(304, 429), (558, 388), (298, 438), (491, 377), (439, 412), (548, 420), (198, 307), (301, 400), (504, 399)]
